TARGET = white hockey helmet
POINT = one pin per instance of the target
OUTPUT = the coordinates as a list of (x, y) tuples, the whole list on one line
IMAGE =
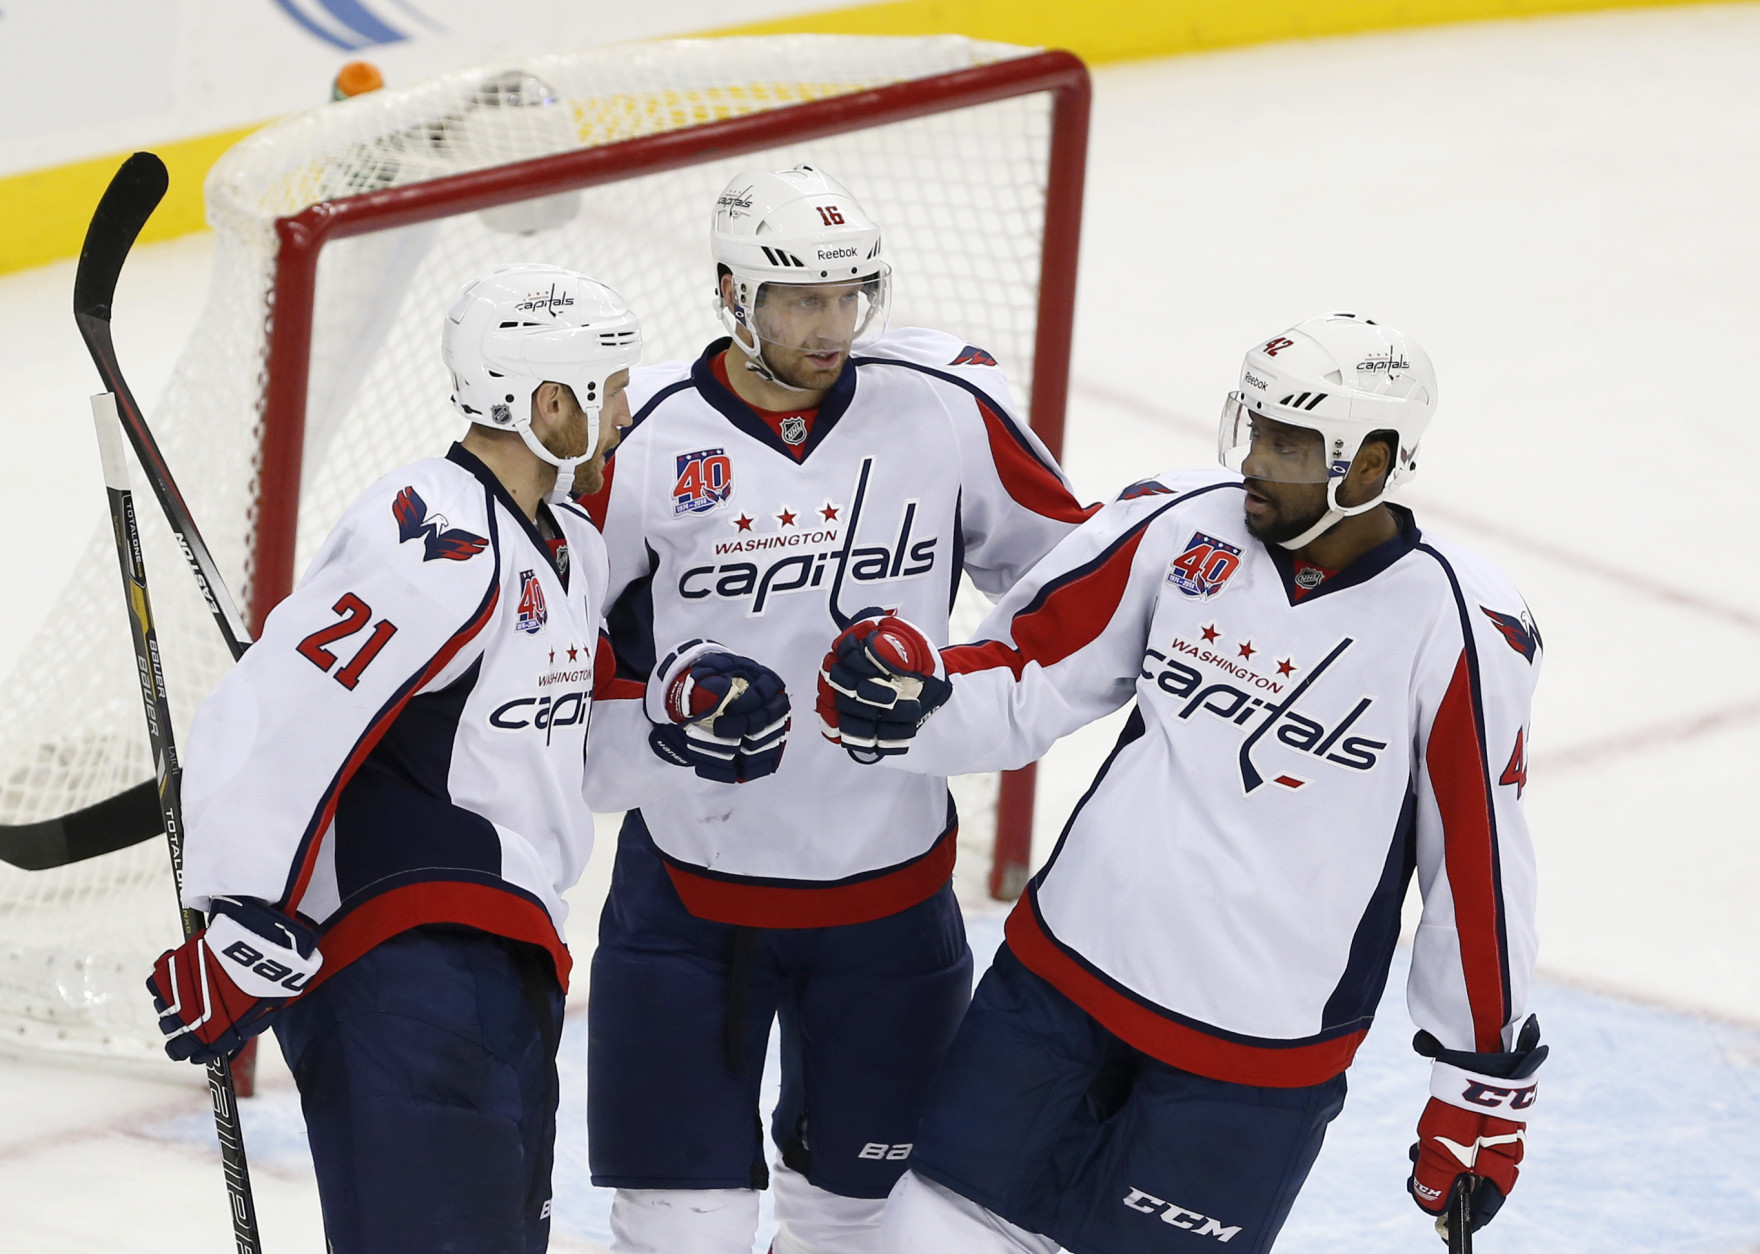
[(799, 227), (1345, 376), (519, 326)]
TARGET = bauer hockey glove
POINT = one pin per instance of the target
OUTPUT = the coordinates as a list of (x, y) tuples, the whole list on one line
[(877, 685), (1475, 1123), (722, 715), (217, 989)]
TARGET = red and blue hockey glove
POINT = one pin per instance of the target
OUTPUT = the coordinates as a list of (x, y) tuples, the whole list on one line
[(722, 715), (1475, 1123), (877, 685), (217, 989)]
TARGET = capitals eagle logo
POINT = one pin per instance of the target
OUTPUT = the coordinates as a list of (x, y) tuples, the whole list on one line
[(453, 544)]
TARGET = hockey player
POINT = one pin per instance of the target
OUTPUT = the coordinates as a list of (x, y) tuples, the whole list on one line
[(799, 471), (384, 798), (1325, 700)]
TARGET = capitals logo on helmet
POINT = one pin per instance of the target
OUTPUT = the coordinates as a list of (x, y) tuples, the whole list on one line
[(518, 327)]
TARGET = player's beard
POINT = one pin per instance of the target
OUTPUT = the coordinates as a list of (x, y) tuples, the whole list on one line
[(1283, 524), (589, 477), (791, 366)]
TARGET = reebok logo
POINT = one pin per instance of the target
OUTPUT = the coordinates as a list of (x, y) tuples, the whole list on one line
[(1179, 1216)]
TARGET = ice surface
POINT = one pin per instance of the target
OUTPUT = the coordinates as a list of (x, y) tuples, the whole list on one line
[(1562, 212)]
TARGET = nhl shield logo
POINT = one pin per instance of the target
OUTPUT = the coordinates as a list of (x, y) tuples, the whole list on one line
[(1206, 566), (794, 429), (705, 480), (533, 614)]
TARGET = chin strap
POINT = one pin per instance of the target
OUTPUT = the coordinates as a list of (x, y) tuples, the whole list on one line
[(1335, 514)]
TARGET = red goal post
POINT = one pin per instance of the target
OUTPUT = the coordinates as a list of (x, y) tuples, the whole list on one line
[(302, 237)]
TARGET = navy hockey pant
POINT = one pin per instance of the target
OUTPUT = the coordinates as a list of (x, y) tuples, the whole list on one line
[(678, 1022), (1049, 1120), (427, 1074)]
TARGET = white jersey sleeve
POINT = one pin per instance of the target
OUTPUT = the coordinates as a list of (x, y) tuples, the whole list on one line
[(374, 622), (1015, 502), (1061, 648), (1476, 944)]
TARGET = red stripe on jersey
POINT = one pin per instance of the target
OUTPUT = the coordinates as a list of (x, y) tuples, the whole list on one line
[(607, 686), (1067, 617), (1176, 1044), (440, 901), (1455, 760), (757, 903), (1025, 477), (598, 502), (314, 839)]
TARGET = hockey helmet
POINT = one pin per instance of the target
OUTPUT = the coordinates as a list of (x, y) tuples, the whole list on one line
[(1346, 377), (796, 227), (519, 326)]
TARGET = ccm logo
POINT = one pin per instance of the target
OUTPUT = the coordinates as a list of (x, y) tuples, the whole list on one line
[(1481, 1094), (275, 972), (1178, 1216), (886, 1153)]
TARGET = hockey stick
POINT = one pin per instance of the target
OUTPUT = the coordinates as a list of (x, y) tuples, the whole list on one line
[(1456, 1224), (134, 192), (158, 712), (129, 817)]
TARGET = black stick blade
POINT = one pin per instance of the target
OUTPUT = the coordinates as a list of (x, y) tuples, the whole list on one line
[(128, 202), (117, 822)]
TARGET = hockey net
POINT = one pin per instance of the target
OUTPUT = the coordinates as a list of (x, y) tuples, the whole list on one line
[(342, 234)]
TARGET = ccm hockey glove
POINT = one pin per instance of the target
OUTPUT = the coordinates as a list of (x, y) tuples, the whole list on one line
[(877, 685), (217, 989), (1475, 1123), (722, 715)]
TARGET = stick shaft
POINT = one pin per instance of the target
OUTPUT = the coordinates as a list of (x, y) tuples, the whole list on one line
[(167, 773)]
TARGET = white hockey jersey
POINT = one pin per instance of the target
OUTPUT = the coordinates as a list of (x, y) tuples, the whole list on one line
[(404, 743), (915, 470), (1226, 896)]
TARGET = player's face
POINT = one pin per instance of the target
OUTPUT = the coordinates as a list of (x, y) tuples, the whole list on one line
[(1285, 470), (806, 330), (589, 476)]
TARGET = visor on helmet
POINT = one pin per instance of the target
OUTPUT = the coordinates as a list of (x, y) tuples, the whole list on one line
[(1258, 446), (813, 317)]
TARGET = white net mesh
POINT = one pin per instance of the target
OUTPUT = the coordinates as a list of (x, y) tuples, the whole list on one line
[(960, 196)]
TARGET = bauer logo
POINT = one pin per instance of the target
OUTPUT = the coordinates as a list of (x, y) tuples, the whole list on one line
[(705, 480), (1206, 566), (532, 612)]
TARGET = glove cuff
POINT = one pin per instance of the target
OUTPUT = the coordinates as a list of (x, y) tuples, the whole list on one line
[(669, 668), (1483, 1094)]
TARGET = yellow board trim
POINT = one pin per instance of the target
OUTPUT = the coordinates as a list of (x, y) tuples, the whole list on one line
[(43, 213), (1099, 31)]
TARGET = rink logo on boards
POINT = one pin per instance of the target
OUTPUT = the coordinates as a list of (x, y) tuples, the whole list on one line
[(1232, 703), (533, 613), (1206, 566), (1178, 1216), (438, 540), (705, 480)]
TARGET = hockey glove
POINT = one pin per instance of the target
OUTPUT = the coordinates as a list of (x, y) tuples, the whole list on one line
[(217, 989), (1475, 1123), (878, 684), (722, 715)]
